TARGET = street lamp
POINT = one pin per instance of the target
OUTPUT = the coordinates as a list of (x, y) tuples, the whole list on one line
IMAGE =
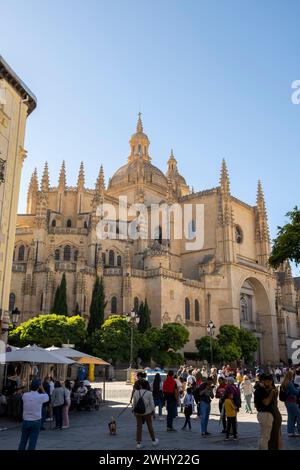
[(210, 330), (15, 315), (134, 320)]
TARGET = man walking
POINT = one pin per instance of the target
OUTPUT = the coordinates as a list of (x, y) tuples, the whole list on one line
[(32, 413), (170, 391)]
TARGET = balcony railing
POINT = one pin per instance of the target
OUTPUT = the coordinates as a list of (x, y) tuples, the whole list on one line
[(19, 267), (65, 266), (70, 230)]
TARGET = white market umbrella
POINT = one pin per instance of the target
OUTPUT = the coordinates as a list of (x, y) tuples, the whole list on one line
[(34, 354)]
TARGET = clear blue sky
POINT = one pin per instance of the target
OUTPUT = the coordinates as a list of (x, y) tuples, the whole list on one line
[(212, 79)]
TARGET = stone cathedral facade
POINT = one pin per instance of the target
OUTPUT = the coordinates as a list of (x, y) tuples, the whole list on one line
[(227, 280)]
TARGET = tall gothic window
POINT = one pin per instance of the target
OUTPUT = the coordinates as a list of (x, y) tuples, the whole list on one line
[(21, 253), (113, 305), (119, 260), (158, 234), (53, 223), (41, 303), (197, 310), (67, 253), (75, 255), (187, 309), (103, 259), (57, 255), (111, 258), (69, 223), (192, 230), (244, 308), (136, 304), (12, 300)]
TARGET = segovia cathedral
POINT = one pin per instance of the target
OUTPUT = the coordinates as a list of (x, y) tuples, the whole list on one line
[(227, 280)]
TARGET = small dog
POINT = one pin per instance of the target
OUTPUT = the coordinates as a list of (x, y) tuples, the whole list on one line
[(112, 426)]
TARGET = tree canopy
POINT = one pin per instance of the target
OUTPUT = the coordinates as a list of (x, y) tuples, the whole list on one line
[(48, 330), (287, 244), (231, 344)]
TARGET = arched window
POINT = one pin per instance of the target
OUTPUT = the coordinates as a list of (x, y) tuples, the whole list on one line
[(85, 225), (197, 310), (42, 301), (67, 253), (69, 223), (103, 259), (53, 223), (187, 309), (158, 234), (57, 255), (12, 300), (119, 260), (244, 308), (192, 230), (111, 258), (84, 303), (113, 305), (21, 253), (136, 304), (75, 255)]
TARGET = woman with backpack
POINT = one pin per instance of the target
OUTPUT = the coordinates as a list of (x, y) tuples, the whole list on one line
[(143, 409), (289, 394)]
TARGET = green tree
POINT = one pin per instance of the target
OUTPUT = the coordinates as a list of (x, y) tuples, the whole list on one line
[(287, 244), (60, 306), (203, 346), (55, 303), (48, 330), (144, 315), (231, 344), (112, 340), (97, 306), (162, 344)]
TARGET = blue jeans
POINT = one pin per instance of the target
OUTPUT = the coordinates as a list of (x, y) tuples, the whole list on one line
[(204, 415), (171, 410), (158, 402), (30, 431), (293, 412)]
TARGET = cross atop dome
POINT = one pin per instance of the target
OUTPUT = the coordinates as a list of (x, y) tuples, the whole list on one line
[(139, 126)]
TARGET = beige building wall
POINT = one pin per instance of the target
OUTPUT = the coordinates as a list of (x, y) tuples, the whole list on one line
[(16, 103)]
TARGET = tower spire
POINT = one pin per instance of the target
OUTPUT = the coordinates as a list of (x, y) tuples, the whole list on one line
[(172, 165), (62, 176), (32, 192), (81, 179), (100, 184), (45, 183), (139, 126), (224, 180), (260, 199)]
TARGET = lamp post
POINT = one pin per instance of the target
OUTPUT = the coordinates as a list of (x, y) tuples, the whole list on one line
[(15, 316), (133, 319), (210, 330)]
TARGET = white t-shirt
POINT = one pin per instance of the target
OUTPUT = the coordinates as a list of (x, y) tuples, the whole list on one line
[(32, 405)]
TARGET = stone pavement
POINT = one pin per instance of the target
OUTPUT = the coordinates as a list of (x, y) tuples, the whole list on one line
[(89, 430)]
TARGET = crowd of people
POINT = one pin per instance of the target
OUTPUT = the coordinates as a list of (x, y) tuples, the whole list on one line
[(191, 391), (51, 400)]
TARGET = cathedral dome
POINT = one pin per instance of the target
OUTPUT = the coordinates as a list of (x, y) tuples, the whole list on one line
[(138, 170)]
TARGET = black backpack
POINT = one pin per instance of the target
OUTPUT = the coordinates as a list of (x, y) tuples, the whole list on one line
[(282, 394), (140, 407)]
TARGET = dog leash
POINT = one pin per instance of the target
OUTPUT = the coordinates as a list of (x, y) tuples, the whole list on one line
[(124, 409)]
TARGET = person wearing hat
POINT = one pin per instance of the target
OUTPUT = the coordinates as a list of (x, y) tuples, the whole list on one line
[(32, 414)]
